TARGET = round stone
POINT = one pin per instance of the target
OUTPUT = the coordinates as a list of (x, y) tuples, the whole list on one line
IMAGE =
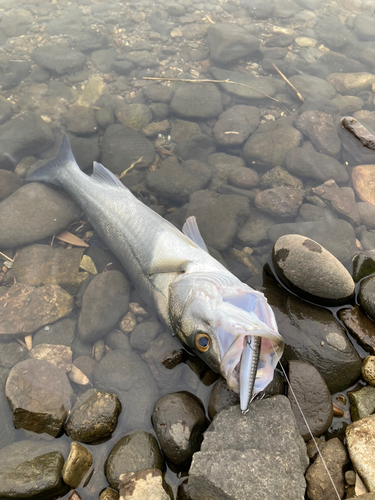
[(368, 370), (363, 177), (311, 271)]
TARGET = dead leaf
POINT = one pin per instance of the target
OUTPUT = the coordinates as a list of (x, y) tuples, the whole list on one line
[(71, 238)]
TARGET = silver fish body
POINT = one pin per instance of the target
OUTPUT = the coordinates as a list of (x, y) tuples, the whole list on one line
[(208, 308)]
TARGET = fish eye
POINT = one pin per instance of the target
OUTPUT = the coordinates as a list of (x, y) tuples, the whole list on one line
[(202, 342)]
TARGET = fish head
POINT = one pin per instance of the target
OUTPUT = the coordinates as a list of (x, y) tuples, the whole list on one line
[(214, 315)]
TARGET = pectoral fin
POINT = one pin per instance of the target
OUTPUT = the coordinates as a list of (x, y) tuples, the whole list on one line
[(191, 230)]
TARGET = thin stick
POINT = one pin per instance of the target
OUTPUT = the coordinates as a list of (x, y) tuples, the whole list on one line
[(213, 81), (129, 168), (6, 257), (289, 83)]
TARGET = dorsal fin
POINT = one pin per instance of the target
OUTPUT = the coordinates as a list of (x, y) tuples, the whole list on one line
[(190, 229), (103, 175)]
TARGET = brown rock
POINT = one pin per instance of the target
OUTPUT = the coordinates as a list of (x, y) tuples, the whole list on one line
[(363, 177), (342, 200), (24, 308), (280, 201), (360, 327)]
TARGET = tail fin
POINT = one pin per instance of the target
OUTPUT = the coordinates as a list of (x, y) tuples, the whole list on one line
[(52, 171)]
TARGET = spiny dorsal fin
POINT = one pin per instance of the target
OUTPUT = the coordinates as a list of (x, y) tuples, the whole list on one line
[(190, 229), (103, 175)]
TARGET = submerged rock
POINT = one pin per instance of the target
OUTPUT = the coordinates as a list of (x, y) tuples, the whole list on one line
[(228, 42), (77, 465), (366, 296), (362, 402), (360, 327), (267, 438), (40, 396), (199, 100)]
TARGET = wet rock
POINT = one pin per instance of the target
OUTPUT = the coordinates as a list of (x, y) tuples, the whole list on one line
[(142, 335), (143, 484), (94, 416), (362, 402), (58, 59), (348, 104), (360, 443), (39, 395), (223, 164), (319, 486), (182, 129), (368, 370), (122, 146), (11, 353), (7, 431), (155, 128), (77, 465), (197, 147), (259, 86), (366, 296), (158, 93), (321, 130), (42, 264), (122, 68), (357, 139), (228, 42), (314, 336), (309, 212), (104, 59), (360, 327), (254, 231), (367, 213), (245, 178), (57, 355), (59, 333), (312, 86), (197, 101), (234, 125), (351, 83), (69, 23), (280, 201), (332, 32), (321, 167), (312, 394), (34, 212), (179, 421), (363, 177), (16, 22), (218, 216), (85, 150), (81, 120), (266, 437), (132, 453), (109, 494), (277, 177), (363, 265), (12, 73), (221, 397), (105, 300), (310, 271), (125, 374), (136, 116), (24, 308), (177, 182), (270, 143), (87, 41), (142, 58), (86, 367), (163, 358), (9, 182), (336, 236)]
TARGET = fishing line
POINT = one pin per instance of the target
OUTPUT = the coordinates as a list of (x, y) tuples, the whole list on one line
[(308, 427)]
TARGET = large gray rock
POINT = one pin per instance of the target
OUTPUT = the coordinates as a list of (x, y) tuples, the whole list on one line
[(198, 100), (34, 212), (321, 130), (258, 86), (228, 42), (104, 302), (40, 396), (235, 125), (58, 59), (312, 86), (282, 201), (311, 271), (267, 438)]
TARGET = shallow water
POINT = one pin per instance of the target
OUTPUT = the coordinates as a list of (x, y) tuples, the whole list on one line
[(82, 67)]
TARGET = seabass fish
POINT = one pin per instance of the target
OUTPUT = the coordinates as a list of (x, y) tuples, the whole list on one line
[(225, 322)]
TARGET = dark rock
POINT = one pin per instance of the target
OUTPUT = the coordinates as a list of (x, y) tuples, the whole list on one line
[(59, 333), (218, 216), (163, 358), (313, 396), (254, 231), (125, 374), (342, 200), (234, 125), (259, 86), (311, 271), (181, 130), (9, 182), (69, 23), (77, 465), (259, 9), (366, 296), (242, 177), (117, 340), (24, 308), (122, 146), (321, 167), (105, 300), (364, 26), (132, 453), (319, 485), (6, 111), (179, 421), (87, 41), (311, 86), (197, 147), (58, 59), (142, 58), (143, 334), (13, 72), (158, 93), (11, 353), (85, 150), (286, 9), (309, 212), (354, 151), (317, 103), (270, 143), (7, 431), (313, 335), (221, 397), (277, 177), (228, 42), (362, 402), (280, 201), (39, 395), (136, 116), (177, 182), (367, 213), (201, 100), (333, 62), (94, 416), (336, 236), (81, 120), (332, 32), (321, 130), (103, 59), (122, 67), (363, 265), (267, 437), (34, 212)]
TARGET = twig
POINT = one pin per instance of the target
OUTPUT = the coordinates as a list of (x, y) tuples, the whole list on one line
[(289, 83), (215, 81), (129, 168), (6, 257)]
